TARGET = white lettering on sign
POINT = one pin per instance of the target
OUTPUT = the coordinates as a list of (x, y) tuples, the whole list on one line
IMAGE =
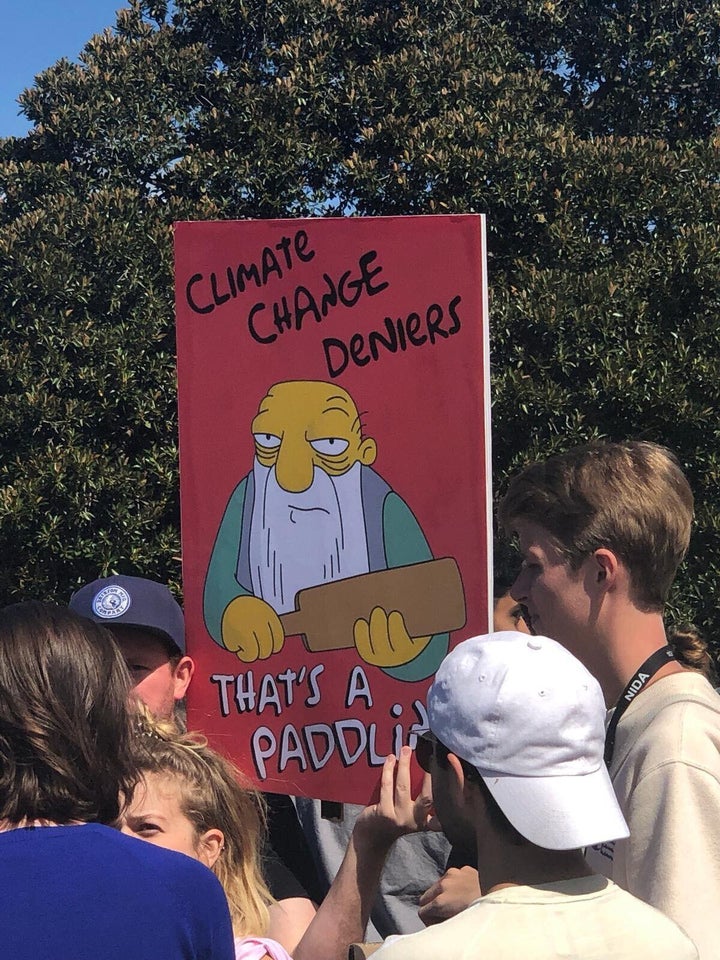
[(311, 745)]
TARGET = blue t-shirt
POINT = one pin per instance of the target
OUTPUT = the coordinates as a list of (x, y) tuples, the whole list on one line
[(88, 892)]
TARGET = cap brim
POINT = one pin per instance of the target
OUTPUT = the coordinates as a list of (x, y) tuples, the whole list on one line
[(132, 625), (153, 631), (560, 813)]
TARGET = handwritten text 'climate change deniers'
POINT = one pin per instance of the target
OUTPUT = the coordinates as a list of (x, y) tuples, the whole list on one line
[(268, 321)]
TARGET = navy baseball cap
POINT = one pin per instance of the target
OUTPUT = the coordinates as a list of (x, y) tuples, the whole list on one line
[(132, 602)]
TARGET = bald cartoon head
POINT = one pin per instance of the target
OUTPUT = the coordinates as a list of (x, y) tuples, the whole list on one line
[(306, 424)]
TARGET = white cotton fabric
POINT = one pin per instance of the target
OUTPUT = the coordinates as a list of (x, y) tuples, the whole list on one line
[(588, 918)]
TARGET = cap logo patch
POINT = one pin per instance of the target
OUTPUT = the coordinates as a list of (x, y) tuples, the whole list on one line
[(111, 602)]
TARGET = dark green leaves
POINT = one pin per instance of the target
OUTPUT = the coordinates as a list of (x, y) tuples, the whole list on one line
[(586, 132)]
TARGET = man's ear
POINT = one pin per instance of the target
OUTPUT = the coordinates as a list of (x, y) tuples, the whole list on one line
[(458, 779), (605, 568), (182, 676)]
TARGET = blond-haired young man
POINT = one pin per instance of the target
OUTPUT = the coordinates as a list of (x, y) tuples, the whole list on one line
[(603, 529)]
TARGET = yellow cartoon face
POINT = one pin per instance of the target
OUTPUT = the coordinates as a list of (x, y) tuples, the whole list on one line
[(303, 424)]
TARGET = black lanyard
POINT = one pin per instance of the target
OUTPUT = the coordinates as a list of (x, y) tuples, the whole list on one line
[(656, 661)]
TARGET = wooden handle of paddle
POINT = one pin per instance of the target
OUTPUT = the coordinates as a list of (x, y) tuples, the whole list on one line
[(429, 595)]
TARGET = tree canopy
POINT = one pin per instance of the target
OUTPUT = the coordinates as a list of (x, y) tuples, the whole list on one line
[(587, 132)]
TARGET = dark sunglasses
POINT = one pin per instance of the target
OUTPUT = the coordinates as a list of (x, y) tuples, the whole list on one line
[(426, 748)]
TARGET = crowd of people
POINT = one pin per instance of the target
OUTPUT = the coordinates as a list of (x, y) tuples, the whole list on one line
[(571, 804)]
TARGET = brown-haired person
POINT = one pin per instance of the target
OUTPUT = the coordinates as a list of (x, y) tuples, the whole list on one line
[(73, 887), (603, 529), (458, 887)]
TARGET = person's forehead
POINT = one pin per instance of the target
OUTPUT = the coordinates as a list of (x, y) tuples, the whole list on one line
[(140, 643), (534, 538), (159, 791)]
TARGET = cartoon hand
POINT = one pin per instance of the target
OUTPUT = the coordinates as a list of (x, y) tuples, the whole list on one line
[(384, 641), (251, 629)]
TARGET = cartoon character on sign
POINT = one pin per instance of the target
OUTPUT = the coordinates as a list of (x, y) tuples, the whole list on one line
[(314, 512)]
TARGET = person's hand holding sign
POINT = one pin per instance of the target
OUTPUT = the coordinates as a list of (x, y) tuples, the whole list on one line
[(384, 641), (251, 629), (397, 812)]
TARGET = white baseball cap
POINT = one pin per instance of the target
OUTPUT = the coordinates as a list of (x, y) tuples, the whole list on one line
[(531, 719)]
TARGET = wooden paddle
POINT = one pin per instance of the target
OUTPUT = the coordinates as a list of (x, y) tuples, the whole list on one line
[(429, 595)]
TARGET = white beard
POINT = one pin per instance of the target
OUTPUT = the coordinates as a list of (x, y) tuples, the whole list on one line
[(299, 540)]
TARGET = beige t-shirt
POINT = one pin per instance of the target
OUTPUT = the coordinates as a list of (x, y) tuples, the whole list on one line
[(666, 774), (584, 919)]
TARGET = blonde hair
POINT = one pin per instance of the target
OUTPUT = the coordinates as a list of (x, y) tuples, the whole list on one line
[(631, 498), (214, 795)]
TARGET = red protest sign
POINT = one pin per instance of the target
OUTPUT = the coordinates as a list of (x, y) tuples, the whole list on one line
[(335, 483)]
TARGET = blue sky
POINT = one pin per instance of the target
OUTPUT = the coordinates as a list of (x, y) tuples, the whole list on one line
[(34, 34)]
